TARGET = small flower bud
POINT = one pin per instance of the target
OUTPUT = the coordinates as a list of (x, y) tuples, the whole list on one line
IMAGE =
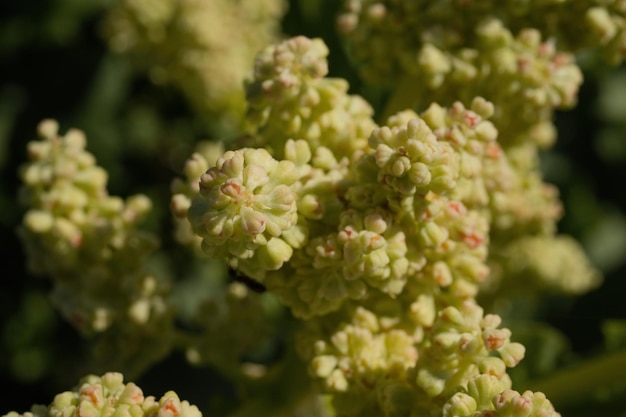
[(323, 366), (459, 405), (512, 353)]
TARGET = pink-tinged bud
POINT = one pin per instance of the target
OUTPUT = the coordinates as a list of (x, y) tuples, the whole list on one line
[(512, 353)]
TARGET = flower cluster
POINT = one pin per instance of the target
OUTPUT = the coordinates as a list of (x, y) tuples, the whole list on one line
[(483, 397), (378, 236), (476, 52), (519, 57), (247, 201), (108, 395), (289, 97), (203, 48), (379, 243), (539, 262), (231, 326), (90, 245)]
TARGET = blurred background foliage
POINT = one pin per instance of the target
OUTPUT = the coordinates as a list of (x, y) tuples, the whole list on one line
[(54, 63)]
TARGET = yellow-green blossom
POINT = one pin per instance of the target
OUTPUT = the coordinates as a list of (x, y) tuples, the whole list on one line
[(289, 97), (484, 397), (245, 206), (89, 244), (203, 48), (107, 396), (484, 50)]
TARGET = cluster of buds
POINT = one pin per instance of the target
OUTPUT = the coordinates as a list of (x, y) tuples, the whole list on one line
[(289, 97), (246, 211), (377, 235), (90, 245), (199, 47), (520, 58), (108, 395), (538, 262), (476, 52), (378, 241), (231, 325), (484, 397)]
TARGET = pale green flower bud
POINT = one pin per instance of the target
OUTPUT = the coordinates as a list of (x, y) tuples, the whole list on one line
[(47, 128), (320, 181), (323, 366), (179, 205), (526, 205), (512, 354), (366, 319), (434, 63), (601, 23), (433, 235), (100, 396), (423, 311), (39, 221), (483, 388), (459, 405), (197, 165), (299, 152), (432, 385), (337, 381), (483, 107), (495, 339), (368, 252), (493, 366), (274, 254)]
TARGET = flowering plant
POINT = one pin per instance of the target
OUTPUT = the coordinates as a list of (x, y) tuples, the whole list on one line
[(326, 252)]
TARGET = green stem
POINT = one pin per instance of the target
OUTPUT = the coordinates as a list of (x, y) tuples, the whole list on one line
[(573, 385)]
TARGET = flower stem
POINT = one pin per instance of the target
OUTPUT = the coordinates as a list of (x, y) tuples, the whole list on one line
[(573, 385)]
